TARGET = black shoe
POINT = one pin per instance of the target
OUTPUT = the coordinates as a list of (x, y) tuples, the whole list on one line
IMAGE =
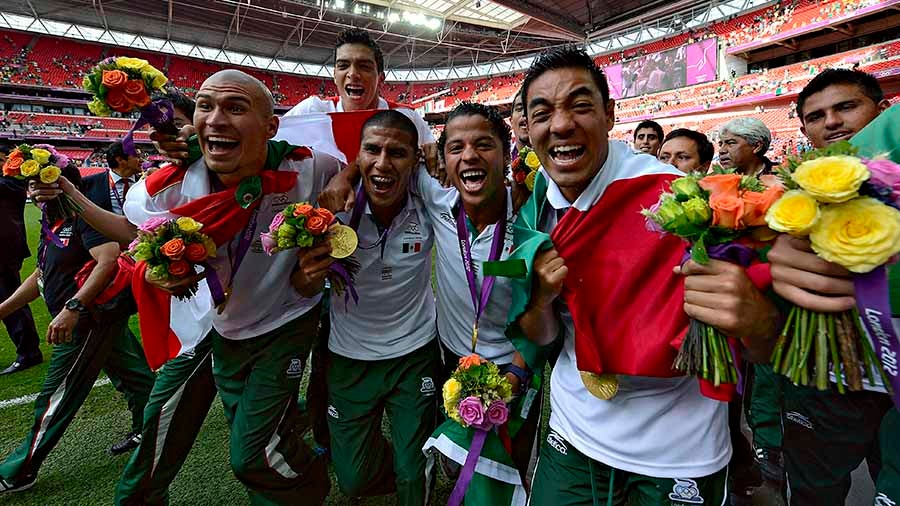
[(771, 464), (18, 366), (131, 441), (8, 488)]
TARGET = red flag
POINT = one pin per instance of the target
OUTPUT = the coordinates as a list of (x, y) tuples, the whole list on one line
[(625, 300), (223, 218)]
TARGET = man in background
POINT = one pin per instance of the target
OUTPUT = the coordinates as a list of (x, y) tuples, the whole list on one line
[(19, 324), (688, 150), (648, 137)]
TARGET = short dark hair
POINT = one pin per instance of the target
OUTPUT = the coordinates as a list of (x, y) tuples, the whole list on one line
[(562, 58), (704, 147), (867, 83), (72, 173), (649, 123), (181, 102), (115, 150), (358, 36), (517, 96), (488, 112), (391, 118), (5, 147)]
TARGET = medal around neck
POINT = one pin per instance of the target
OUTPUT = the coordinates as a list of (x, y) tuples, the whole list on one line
[(601, 386)]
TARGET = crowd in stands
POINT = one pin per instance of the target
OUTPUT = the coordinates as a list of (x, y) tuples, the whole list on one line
[(783, 16), (41, 60)]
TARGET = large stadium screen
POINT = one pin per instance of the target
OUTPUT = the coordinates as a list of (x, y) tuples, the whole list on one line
[(675, 68)]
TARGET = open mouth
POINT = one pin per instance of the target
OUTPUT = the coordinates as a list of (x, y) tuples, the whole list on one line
[(473, 179), (382, 184), (837, 136), (354, 90), (218, 145), (568, 154)]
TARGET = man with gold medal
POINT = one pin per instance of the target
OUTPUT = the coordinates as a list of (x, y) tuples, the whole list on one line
[(624, 426), (383, 357), (472, 223)]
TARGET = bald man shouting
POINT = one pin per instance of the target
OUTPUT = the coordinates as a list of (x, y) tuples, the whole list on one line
[(262, 327)]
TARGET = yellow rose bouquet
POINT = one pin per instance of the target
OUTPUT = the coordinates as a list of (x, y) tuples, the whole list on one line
[(848, 208), (525, 168), (125, 84), (42, 162)]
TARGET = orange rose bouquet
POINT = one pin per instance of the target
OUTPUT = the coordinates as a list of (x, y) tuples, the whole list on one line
[(125, 84), (172, 248), (301, 225), (720, 215)]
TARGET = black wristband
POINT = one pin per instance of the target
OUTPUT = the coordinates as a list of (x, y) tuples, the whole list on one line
[(523, 375)]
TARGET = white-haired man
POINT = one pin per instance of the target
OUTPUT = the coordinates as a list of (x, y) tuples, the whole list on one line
[(743, 143)]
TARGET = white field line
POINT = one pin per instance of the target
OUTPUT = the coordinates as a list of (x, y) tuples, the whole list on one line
[(28, 399)]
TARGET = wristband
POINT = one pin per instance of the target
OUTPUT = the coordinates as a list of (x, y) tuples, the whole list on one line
[(523, 375)]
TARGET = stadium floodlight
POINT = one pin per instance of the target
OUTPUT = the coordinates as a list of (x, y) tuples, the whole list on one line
[(338, 5)]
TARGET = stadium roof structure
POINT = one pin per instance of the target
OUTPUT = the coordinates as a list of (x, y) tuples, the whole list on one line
[(423, 40)]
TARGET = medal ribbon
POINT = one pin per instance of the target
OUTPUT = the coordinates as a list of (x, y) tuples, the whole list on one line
[(115, 192), (359, 208), (479, 301), (212, 277), (874, 309)]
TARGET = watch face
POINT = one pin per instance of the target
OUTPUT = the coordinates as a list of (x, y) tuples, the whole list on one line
[(73, 305)]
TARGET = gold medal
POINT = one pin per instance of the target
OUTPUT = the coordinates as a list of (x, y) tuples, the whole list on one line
[(601, 386), (343, 241), (529, 180), (221, 308)]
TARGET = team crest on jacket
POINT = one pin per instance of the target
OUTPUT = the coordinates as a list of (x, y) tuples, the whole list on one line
[(686, 491)]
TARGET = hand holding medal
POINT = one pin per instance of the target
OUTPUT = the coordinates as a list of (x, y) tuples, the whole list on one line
[(301, 225)]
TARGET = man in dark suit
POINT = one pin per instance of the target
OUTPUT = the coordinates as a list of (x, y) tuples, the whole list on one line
[(108, 189), (19, 324)]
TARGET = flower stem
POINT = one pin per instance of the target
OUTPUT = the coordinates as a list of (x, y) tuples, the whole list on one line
[(821, 353), (835, 353)]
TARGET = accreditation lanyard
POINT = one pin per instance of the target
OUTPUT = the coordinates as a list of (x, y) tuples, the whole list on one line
[(119, 198), (359, 207), (479, 301)]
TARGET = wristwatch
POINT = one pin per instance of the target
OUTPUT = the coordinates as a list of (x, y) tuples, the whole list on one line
[(74, 304), (523, 375)]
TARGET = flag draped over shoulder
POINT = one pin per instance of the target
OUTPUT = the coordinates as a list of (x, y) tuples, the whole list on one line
[(223, 217), (623, 296), (881, 137)]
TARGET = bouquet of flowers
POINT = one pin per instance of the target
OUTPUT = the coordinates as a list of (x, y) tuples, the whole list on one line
[(301, 225), (42, 162), (476, 395), (125, 84), (848, 208), (172, 248), (719, 214), (477, 398), (525, 168)]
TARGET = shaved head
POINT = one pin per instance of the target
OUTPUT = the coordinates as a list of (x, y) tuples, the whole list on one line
[(234, 119), (263, 101)]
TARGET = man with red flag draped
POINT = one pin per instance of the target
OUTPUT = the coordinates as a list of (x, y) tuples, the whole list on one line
[(624, 425), (262, 327)]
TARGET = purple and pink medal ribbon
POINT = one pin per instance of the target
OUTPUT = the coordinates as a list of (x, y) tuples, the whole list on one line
[(480, 302)]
